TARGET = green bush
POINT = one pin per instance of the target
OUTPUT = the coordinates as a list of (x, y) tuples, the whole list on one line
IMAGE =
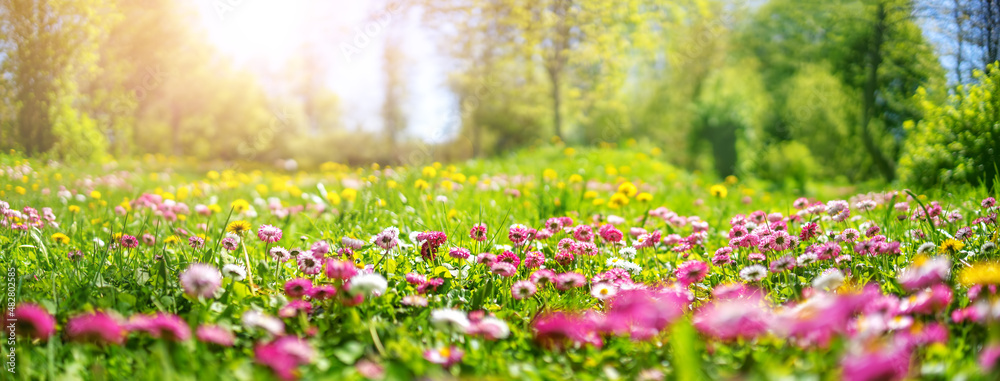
[(78, 136), (787, 163), (957, 141)]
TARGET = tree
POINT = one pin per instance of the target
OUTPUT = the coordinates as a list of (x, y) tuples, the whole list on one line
[(579, 50), (42, 42), (873, 47), (958, 140)]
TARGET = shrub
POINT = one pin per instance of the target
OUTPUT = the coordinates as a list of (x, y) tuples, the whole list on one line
[(959, 140)]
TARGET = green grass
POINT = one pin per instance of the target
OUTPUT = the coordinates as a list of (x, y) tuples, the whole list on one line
[(525, 187)]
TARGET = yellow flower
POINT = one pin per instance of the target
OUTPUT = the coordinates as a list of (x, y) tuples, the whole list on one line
[(575, 178), (429, 172), (598, 201), (238, 227), (718, 191), (212, 175), (171, 239), (549, 174), (421, 184), (447, 185), (239, 205), (644, 197), (391, 184), (60, 238), (618, 200), (589, 194), (20, 190), (215, 208), (569, 151), (984, 273), (611, 171), (628, 189), (951, 245), (731, 180), (333, 198), (349, 194), (95, 194), (74, 208)]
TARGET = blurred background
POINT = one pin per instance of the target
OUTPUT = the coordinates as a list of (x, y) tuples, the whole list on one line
[(782, 90)]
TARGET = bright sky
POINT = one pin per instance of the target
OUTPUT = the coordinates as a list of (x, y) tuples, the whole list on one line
[(263, 34)]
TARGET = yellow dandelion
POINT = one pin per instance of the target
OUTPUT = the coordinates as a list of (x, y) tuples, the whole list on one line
[(732, 180), (421, 184), (20, 190), (60, 238), (718, 191), (575, 178), (239, 205), (549, 174), (628, 189), (599, 201), (951, 246), (983, 273), (238, 227), (429, 172), (589, 194), (333, 198), (172, 239), (95, 194), (618, 200), (644, 197), (569, 151), (349, 194), (74, 208)]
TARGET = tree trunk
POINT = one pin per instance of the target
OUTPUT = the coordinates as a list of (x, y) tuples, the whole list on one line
[(556, 100), (882, 163)]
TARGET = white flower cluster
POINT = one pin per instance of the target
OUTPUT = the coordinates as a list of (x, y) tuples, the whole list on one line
[(629, 266)]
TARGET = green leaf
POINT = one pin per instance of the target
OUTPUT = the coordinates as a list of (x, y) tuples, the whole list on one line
[(349, 352)]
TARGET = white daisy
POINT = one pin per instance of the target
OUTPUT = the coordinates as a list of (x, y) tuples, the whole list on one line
[(603, 291), (829, 280), (367, 284), (450, 320), (753, 273), (234, 271)]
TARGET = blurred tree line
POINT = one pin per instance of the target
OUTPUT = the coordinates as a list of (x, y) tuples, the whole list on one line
[(784, 90), (85, 78)]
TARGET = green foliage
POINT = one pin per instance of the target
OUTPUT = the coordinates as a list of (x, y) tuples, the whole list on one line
[(821, 115), (342, 339), (78, 137), (788, 163), (958, 141), (730, 110)]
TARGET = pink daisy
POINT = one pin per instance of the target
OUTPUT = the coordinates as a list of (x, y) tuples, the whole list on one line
[(34, 321), (691, 272), (201, 280), (269, 233), (213, 334)]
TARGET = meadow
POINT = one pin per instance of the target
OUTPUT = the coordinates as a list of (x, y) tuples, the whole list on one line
[(549, 263)]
